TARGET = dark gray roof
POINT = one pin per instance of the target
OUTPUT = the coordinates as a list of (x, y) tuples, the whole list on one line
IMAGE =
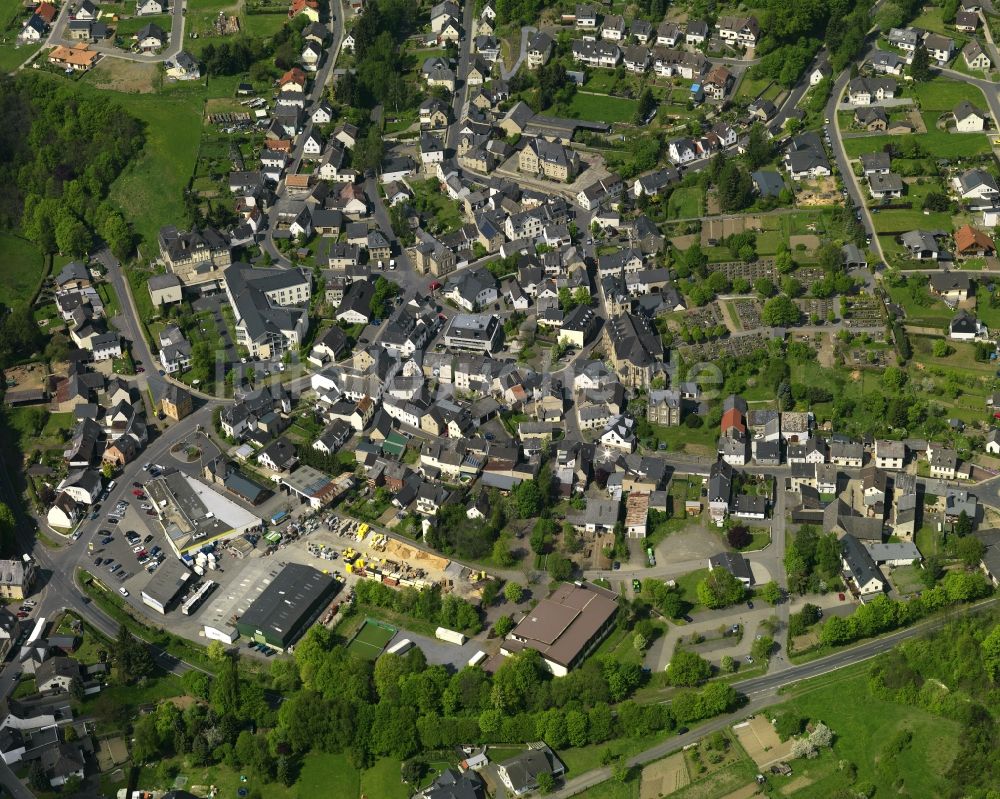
[(859, 561)]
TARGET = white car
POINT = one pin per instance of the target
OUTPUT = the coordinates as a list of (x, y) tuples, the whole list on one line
[(123, 591), (146, 506), (137, 548)]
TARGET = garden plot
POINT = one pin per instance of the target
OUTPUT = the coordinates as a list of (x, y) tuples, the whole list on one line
[(664, 777), (715, 230), (761, 742)]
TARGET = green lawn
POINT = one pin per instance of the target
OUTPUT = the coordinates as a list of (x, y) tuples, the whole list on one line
[(751, 89), (321, 775), (127, 28), (861, 727), (150, 190), (599, 108), (902, 220), (382, 780), (991, 316), (688, 585), (441, 213), (931, 19), (13, 55), (686, 202), (938, 143), (943, 94), (934, 314), (264, 25), (22, 268)]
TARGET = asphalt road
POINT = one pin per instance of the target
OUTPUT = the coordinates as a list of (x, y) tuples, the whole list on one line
[(462, 87), (320, 79)]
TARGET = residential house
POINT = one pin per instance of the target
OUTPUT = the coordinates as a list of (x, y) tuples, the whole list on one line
[(151, 37), (861, 567), (972, 243), (975, 56), (741, 32), (734, 563), (865, 91), (920, 245), (977, 188), (884, 187), (889, 454), (539, 50), (695, 32), (965, 327), (872, 118), (176, 402), (968, 118), (940, 48)]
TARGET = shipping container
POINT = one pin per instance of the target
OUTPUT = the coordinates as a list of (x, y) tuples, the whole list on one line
[(400, 647), (450, 635), (477, 658)]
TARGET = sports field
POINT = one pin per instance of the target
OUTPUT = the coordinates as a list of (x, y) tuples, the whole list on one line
[(371, 639)]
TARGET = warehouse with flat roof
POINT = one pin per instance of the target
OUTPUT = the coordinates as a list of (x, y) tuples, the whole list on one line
[(566, 626), (166, 584), (286, 608)]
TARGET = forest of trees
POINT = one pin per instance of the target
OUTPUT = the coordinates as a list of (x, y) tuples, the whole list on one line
[(400, 707), (59, 153), (954, 673), (793, 32)]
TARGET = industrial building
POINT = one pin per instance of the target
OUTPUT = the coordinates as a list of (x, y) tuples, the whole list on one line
[(566, 626), (166, 584), (193, 514), (285, 609)]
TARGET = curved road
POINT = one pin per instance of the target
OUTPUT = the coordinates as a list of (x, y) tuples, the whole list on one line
[(763, 691)]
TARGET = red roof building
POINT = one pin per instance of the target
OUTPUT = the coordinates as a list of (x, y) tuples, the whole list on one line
[(733, 418)]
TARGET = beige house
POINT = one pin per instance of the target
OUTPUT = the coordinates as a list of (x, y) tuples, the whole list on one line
[(165, 289), (551, 160), (16, 578), (176, 402)]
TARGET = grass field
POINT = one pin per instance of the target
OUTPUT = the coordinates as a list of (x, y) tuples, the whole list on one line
[(935, 314), (939, 143), (751, 89), (601, 108), (861, 727), (382, 780), (685, 203), (264, 25), (371, 639), (942, 94), (150, 190), (13, 55), (22, 268), (902, 220)]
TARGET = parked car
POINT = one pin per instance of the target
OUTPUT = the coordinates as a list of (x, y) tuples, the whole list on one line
[(123, 591), (147, 539)]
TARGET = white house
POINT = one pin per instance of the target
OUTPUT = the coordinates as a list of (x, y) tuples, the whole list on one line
[(64, 512)]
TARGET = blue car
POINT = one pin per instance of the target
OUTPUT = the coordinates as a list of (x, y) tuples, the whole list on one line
[(107, 540)]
